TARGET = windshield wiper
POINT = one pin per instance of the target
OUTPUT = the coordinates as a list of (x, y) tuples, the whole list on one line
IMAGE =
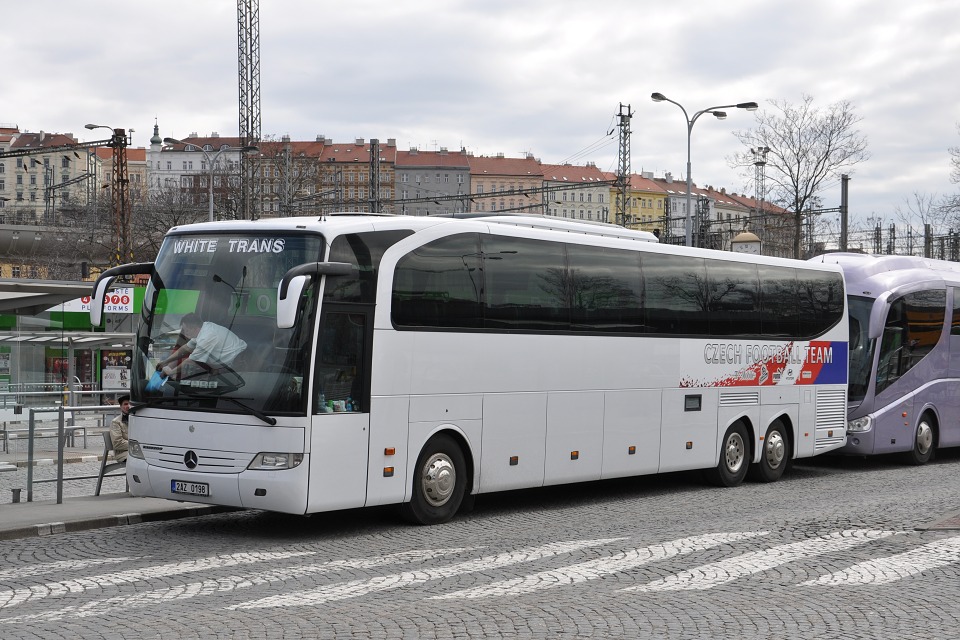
[(254, 412), (193, 396)]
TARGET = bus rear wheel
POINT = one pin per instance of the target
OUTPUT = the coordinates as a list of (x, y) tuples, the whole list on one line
[(734, 458), (774, 457), (439, 482), (923, 442)]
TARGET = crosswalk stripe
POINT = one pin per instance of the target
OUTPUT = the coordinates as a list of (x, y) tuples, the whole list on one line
[(593, 569), (356, 588), (26, 571), (228, 583), (893, 568), (13, 597), (730, 569)]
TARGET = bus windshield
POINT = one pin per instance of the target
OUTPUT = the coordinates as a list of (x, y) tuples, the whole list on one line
[(861, 347), (209, 340)]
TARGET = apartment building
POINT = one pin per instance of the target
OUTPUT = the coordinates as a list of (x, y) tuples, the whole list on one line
[(432, 182), (579, 192), (498, 183)]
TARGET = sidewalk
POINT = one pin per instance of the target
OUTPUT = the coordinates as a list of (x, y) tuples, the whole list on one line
[(31, 519), (79, 513)]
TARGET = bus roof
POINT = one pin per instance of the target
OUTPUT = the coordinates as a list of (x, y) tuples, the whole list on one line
[(871, 275), (346, 221)]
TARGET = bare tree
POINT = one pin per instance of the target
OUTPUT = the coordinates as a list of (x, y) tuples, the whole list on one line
[(808, 146), (951, 203), (955, 162)]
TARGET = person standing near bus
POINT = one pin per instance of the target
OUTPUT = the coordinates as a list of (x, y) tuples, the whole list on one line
[(209, 347), (118, 429)]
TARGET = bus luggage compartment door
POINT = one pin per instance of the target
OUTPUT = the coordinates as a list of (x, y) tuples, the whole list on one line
[(338, 461)]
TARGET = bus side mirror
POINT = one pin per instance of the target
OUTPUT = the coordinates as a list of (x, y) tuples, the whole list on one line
[(294, 282), (878, 316), (105, 279), (287, 307), (96, 301)]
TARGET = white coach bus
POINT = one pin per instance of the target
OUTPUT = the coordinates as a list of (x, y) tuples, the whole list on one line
[(424, 360)]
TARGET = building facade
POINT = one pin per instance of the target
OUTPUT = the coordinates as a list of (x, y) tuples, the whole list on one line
[(432, 182), (578, 192)]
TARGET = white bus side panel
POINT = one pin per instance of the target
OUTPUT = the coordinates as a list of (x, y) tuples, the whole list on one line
[(514, 430), (574, 437), (338, 477), (388, 431), (631, 419), (689, 437)]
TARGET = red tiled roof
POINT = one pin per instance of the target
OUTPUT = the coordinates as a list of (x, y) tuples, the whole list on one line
[(497, 166), (414, 158), (41, 140), (353, 152), (641, 183), (585, 174)]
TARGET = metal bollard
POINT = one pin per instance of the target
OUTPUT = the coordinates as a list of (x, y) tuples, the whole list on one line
[(16, 495)]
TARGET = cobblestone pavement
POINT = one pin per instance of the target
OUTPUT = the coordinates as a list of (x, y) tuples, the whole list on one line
[(838, 548)]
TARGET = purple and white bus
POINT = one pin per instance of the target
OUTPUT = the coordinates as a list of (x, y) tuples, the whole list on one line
[(904, 384)]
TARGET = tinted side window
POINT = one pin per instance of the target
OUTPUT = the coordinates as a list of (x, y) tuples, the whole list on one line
[(779, 312), (733, 298), (364, 251), (605, 289), (439, 285), (955, 324), (912, 330), (675, 292), (526, 284), (820, 296)]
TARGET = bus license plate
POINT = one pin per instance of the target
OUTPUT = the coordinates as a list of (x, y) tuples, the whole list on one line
[(190, 488)]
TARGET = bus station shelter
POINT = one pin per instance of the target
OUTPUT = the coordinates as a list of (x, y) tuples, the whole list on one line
[(43, 348)]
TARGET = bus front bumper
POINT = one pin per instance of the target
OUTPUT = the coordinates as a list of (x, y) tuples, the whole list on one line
[(284, 490)]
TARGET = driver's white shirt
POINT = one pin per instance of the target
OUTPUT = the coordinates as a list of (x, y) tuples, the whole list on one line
[(215, 345)]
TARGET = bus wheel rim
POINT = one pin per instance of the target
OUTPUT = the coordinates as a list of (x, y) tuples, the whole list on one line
[(734, 453), (774, 449), (924, 437), (439, 479)]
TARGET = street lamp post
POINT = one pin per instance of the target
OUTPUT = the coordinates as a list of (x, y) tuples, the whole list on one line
[(119, 191), (720, 115), (210, 164)]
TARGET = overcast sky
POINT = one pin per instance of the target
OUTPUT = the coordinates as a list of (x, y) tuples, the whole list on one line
[(511, 76)]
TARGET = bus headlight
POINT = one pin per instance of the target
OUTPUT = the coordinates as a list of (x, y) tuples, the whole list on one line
[(134, 450), (274, 461), (859, 425)]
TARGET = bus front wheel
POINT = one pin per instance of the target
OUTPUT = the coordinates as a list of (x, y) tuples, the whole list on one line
[(923, 442), (439, 482), (774, 457), (734, 458)]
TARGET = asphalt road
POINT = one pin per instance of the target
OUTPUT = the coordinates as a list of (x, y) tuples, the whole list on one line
[(838, 548)]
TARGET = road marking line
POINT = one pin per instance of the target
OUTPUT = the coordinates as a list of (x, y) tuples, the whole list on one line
[(54, 567), (13, 597), (716, 573), (893, 568), (355, 588), (213, 586), (593, 569)]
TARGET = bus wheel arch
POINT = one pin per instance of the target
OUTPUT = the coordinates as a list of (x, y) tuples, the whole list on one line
[(441, 479), (776, 451), (734, 459), (925, 438)]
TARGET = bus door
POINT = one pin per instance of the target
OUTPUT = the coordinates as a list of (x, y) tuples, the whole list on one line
[(340, 424), (955, 335)]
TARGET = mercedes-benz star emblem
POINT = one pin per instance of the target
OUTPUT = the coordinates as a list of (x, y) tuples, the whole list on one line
[(190, 459)]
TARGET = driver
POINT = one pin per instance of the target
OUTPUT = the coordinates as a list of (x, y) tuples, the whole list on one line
[(210, 347)]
